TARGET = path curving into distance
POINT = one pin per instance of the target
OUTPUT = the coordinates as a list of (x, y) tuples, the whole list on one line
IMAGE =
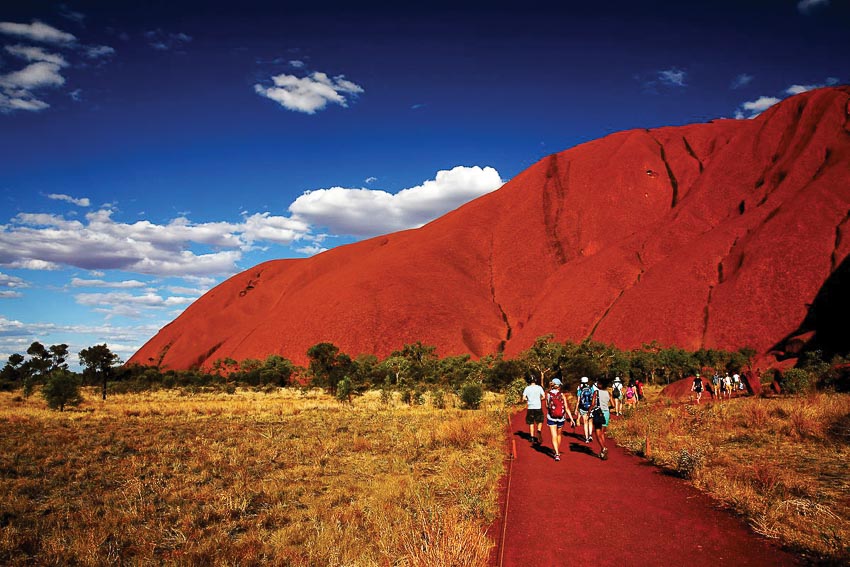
[(623, 511)]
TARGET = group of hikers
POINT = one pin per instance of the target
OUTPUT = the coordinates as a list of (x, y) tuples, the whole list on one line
[(593, 408), (721, 386)]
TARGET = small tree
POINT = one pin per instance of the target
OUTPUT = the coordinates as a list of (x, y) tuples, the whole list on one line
[(98, 362), (62, 389), (343, 390)]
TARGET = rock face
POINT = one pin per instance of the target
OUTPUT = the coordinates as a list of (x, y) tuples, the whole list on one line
[(710, 235)]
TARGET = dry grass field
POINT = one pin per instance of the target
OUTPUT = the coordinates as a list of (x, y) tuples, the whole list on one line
[(780, 462), (279, 478)]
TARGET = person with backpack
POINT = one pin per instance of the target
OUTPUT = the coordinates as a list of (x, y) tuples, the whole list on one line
[(697, 387), (631, 394), (534, 396), (583, 405), (617, 395), (639, 390), (601, 415), (715, 385), (556, 414)]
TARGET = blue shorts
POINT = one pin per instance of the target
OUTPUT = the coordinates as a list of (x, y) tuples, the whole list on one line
[(558, 422)]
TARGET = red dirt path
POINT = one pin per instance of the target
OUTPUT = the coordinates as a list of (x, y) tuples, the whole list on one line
[(623, 511)]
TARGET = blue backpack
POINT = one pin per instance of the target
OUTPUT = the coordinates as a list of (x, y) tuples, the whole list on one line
[(585, 397)]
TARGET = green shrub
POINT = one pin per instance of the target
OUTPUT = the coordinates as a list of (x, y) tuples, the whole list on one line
[(513, 393), (62, 389), (471, 394), (343, 390), (796, 381), (438, 399)]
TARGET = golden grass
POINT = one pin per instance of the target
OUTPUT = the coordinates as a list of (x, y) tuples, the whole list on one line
[(280, 478), (780, 462)]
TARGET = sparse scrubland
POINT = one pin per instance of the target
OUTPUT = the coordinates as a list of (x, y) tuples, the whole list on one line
[(285, 477), (780, 462)]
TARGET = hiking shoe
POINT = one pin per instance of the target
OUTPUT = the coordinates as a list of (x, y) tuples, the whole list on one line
[(604, 452), (534, 440), (557, 457)]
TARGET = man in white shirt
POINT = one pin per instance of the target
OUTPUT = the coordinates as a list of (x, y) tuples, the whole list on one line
[(534, 395)]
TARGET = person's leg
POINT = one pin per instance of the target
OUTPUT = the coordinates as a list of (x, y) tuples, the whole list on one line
[(600, 438), (556, 439)]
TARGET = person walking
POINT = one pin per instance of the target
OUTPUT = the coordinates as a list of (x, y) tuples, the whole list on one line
[(697, 387), (556, 414), (715, 385), (583, 405), (631, 394), (601, 416), (617, 395), (534, 396)]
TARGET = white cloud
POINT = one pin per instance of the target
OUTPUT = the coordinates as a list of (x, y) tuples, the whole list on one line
[(36, 54), (16, 87), (83, 202), (297, 64), (672, 77), (30, 264), (753, 108), (46, 241), (310, 250), (78, 282), (267, 228), (37, 31), (798, 89), (740, 81), (370, 180), (8, 282), (805, 6), (70, 14), (309, 94), (98, 51), (149, 299), (33, 76), (367, 212), (165, 41), (10, 294)]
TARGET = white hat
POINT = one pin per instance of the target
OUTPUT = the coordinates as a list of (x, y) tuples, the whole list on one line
[(556, 382), (617, 379), (584, 379)]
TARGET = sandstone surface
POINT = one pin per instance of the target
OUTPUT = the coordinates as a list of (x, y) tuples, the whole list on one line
[(717, 235)]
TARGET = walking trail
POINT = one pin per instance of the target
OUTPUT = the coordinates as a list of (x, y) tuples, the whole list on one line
[(623, 511)]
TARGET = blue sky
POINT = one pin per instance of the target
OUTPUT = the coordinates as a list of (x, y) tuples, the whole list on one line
[(148, 151)]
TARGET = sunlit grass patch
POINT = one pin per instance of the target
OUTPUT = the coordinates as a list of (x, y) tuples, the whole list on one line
[(285, 477)]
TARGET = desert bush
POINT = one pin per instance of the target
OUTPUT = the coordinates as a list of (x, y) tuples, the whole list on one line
[(796, 381), (471, 395), (513, 393), (438, 399), (61, 389), (688, 461)]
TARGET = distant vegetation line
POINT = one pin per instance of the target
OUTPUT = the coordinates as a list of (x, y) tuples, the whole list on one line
[(414, 369)]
